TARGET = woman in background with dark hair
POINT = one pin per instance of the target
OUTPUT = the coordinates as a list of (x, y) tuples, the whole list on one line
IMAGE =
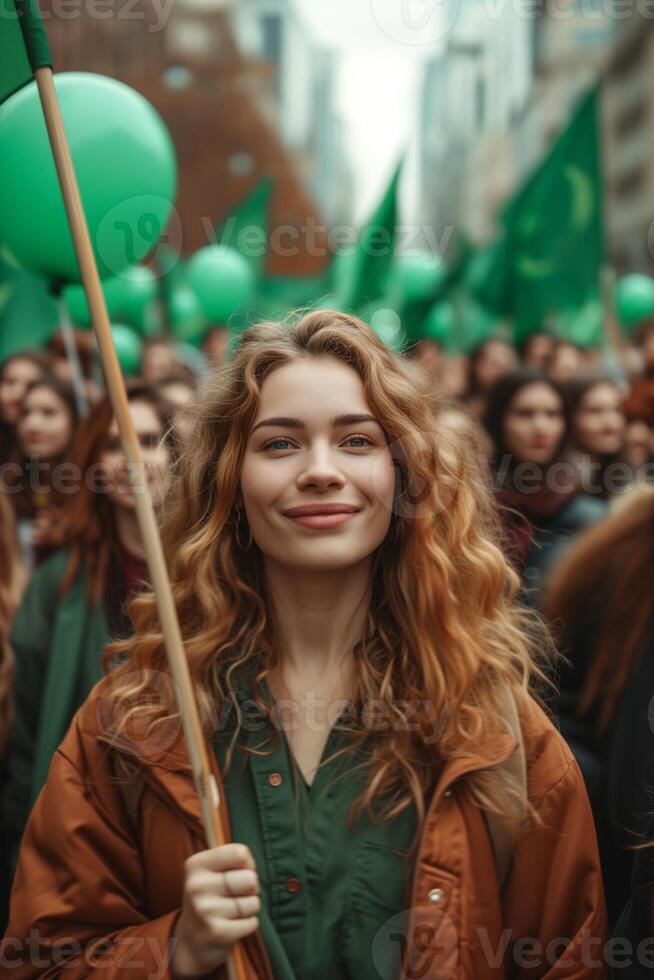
[(541, 504), (600, 603), (17, 372), (45, 431), (75, 600), (488, 362), (597, 432)]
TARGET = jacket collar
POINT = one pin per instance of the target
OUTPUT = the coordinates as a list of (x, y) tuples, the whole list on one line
[(167, 767)]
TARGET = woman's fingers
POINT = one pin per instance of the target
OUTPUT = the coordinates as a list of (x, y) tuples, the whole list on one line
[(222, 858)]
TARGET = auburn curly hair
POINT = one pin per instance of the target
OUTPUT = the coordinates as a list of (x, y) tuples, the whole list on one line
[(443, 628)]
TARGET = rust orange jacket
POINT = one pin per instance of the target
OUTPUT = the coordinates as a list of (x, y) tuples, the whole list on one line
[(94, 898)]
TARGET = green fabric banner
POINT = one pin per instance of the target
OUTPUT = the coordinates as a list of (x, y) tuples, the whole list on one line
[(246, 229), (547, 262), (23, 45), (371, 261)]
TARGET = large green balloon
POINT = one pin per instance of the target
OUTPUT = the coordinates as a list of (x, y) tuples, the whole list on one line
[(131, 295), (221, 279), (125, 165), (415, 277), (128, 348), (387, 325), (439, 323), (129, 298), (187, 319), (634, 299)]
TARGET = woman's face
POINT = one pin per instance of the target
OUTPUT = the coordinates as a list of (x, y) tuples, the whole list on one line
[(156, 458), (538, 351), (598, 426), (318, 480), (534, 424), (180, 397), (497, 358), (639, 443), (45, 427), (17, 375)]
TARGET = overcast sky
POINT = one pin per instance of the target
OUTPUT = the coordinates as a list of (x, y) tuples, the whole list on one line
[(383, 44)]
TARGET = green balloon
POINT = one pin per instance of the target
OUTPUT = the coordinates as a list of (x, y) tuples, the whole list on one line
[(125, 165), (439, 323), (129, 298), (222, 280), (128, 346), (187, 319), (78, 308), (328, 302), (415, 277), (634, 299), (387, 325)]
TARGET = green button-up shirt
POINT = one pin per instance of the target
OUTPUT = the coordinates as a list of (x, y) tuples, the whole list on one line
[(333, 897)]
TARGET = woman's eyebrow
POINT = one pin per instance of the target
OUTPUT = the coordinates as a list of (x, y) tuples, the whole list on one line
[(291, 423)]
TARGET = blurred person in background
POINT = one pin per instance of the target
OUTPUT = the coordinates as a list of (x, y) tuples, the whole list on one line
[(86, 351), (490, 360), (566, 360), (638, 408), (16, 373), (215, 345), (12, 583), (75, 601), (158, 359), (597, 433), (45, 431), (429, 355), (536, 351), (179, 390), (644, 341), (541, 503), (600, 604)]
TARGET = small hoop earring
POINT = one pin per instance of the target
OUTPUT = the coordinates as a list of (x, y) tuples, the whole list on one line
[(243, 547)]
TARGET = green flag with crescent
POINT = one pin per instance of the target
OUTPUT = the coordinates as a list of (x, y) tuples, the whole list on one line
[(547, 262)]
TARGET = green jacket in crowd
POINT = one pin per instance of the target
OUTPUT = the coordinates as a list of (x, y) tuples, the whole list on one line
[(57, 645)]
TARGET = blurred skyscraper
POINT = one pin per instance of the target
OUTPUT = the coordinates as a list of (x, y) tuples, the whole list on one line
[(497, 95), (303, 103)]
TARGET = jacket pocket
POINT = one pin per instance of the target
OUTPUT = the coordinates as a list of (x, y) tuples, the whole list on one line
[(375, 915)]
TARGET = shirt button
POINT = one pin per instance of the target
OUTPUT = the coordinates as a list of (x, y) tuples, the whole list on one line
[(436, 895), (293, 885), (275, 779)]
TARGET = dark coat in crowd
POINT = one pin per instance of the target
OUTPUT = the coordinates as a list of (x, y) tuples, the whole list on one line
[(58, 643), (617, 762), (539, 527)]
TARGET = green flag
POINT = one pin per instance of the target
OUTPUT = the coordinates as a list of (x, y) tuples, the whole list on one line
[(28, 313), (548, 260), (246, 229), (371, 261), (23, 45)]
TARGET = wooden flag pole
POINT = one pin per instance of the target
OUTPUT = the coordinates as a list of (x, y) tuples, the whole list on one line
[(204, 782), (66, 327)]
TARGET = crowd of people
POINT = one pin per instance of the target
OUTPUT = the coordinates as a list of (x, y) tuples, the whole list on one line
[(562, 437)]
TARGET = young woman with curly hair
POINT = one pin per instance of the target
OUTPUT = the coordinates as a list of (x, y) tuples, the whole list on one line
[(74, 603), (363, 676)]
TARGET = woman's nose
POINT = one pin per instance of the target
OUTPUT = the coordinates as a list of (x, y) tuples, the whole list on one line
[(320, 470)]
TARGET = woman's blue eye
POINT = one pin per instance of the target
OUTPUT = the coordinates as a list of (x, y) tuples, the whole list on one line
[(365, 440), (274, 444)]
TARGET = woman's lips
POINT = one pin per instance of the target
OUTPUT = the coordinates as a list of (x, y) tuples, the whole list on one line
[(323, 521)]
